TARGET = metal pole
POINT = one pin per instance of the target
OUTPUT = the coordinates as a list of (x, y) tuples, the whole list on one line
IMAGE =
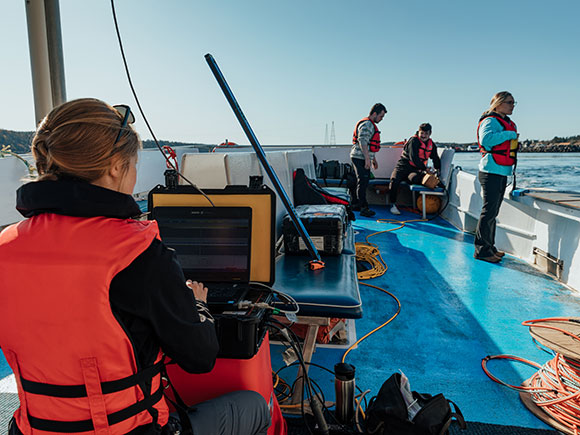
[(262, 156), (39, 63), (55, 52)]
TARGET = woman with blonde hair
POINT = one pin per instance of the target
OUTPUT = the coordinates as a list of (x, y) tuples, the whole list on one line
[(92, 300), (497, 138)]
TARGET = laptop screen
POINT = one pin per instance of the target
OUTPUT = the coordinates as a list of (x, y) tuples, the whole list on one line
[(212, 243)]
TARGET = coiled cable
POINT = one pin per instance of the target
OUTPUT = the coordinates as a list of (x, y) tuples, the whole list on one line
[(555, 387)]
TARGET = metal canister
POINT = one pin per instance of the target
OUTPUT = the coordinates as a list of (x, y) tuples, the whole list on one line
[(344, 385)]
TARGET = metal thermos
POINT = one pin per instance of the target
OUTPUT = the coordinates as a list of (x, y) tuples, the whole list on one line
[(344, 389)]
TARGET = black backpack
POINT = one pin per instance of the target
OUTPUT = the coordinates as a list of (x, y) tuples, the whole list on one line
[(308, 192), (333, 169), (387, 412)]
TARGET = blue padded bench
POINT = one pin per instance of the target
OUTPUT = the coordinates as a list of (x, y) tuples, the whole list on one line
[(414, 188), (320, 294), (417, 188), (379, 181), (329, 292), (374, 182)]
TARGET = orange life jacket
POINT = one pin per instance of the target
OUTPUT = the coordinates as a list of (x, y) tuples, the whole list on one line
[(75, 366), (375, 142), (425, 150), (503, 154)]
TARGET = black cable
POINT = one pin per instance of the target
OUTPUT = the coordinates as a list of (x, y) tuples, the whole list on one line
[(281, 295), (275, 324), (319, 394), (292, 333), (442, 208), (294, 364), (316, 407), (169, 163), (326, 369)]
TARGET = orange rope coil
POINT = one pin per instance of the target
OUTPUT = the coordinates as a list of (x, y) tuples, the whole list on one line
[(555, 387)]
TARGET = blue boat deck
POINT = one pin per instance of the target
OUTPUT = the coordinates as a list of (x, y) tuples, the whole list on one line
[(455, 310)]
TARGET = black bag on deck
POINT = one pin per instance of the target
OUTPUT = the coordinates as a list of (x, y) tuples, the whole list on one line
[(308, 192), (387, 412), (329, 169), (333, 169)]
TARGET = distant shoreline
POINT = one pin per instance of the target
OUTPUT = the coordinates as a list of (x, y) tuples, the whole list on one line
[(19, 142), (531, 149)]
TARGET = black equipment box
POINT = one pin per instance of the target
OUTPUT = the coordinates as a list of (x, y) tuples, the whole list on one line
[(325, 224), (241, 222), (240, 332)]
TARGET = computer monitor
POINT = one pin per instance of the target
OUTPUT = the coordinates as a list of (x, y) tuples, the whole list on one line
[(213, 244)]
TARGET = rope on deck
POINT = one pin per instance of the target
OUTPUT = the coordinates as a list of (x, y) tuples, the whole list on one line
[(555, 387)]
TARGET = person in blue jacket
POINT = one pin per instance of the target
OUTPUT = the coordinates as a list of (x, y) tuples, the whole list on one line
[(497, 138)]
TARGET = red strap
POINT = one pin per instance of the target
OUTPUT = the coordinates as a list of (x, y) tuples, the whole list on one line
[(95, 395), (171, 154)]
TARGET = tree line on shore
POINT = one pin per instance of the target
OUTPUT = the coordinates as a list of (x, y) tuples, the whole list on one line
[(19, 142), (569, 144)]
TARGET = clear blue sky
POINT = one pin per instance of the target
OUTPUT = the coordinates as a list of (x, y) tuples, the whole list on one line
[(296, 66)]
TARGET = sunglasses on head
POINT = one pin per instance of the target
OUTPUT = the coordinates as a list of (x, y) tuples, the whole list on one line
[(128, 118)]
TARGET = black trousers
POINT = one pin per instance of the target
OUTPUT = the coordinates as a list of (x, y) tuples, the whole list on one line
[(411, 175), (238, 412), (493, 187), (362, 182)]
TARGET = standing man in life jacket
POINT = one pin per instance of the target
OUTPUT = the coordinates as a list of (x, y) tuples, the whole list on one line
[(366, 141), (497, 137), (412, 165)]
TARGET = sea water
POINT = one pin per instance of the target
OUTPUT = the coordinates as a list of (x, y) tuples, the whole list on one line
[(558, 171)]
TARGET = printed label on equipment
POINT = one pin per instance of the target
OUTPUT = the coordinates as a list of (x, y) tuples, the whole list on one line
[(318, 242)]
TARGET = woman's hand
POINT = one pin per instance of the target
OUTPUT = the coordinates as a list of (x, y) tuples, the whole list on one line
[(199, 291)]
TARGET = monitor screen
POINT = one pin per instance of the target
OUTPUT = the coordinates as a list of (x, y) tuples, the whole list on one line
[(212, 243)]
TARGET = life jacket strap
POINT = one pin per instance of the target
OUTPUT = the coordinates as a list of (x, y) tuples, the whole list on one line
[(75, 391), (498, 152), (87, 425)]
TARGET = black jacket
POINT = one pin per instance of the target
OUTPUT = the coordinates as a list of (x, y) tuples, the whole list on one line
[(149, 297), (411, 154)]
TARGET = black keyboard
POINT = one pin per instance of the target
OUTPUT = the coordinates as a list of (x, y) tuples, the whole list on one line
[(225, 293)]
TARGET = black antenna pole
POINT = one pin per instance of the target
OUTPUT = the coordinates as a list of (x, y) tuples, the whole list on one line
[(262, 156)]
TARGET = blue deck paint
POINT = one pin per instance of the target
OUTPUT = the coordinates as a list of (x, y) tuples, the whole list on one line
[(4, 367), (455, 311)]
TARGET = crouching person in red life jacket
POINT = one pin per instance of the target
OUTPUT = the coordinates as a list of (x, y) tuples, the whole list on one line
[(412, 165), (366, 141), (92, 300), (497, 138)]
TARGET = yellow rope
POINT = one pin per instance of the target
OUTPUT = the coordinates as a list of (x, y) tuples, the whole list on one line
[(370, 253), (378, 327)]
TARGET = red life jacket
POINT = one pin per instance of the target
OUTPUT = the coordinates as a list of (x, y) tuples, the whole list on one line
[(74, 364), (425, 150), (375, 142), (502, 153)]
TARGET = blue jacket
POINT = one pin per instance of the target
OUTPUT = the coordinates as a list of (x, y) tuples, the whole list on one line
[(491, 133)]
